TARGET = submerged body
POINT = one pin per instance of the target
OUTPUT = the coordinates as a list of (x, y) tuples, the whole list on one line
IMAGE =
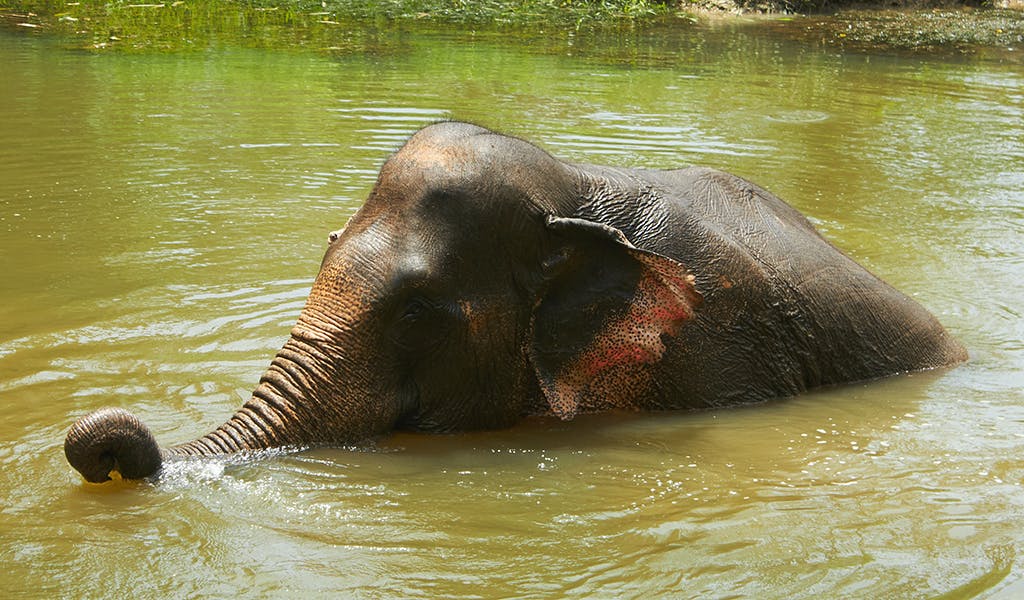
[(485, 280)]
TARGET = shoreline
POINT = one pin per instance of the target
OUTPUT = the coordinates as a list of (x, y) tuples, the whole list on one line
[(819, 8), (175, 25)]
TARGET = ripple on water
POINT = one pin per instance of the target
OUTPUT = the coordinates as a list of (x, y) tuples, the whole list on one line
[(633, 143), (797, 117), (385, 128)]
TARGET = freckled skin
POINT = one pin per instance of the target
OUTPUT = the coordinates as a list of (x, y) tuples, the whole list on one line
[(484, 280)]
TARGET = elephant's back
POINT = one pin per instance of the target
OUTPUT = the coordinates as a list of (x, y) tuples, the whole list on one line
[(785, 310)]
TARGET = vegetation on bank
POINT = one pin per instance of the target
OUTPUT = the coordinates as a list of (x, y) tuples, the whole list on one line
[(178, 24), (507, 12), (962, 30)]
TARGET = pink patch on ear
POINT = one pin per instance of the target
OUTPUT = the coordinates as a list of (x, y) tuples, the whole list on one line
[(612, 357), (612, 371)]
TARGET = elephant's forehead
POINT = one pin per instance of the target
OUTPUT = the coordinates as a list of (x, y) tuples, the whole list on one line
[(419, 170), (447, 144), (436, 154)]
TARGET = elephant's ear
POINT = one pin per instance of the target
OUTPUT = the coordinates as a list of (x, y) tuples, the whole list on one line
[(601, 315)]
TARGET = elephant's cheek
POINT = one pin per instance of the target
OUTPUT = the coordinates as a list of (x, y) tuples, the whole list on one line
[(474, 318)]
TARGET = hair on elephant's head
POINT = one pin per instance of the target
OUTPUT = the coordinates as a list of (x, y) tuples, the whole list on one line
[(463, 295)]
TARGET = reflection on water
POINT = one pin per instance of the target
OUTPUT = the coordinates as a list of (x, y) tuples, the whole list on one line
[(162, 217)]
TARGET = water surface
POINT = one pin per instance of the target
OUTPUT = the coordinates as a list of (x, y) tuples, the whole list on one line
[(162, 217)]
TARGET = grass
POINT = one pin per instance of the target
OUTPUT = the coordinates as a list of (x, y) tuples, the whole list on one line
[(486, 11), (179, 24)]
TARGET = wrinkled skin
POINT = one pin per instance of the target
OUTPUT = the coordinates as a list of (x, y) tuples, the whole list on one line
[(485, 280)]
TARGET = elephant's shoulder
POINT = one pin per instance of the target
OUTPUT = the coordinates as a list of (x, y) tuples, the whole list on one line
[(714, 186), (725, 197)]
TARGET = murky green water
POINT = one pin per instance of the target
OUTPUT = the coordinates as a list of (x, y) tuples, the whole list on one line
[(162, 216)]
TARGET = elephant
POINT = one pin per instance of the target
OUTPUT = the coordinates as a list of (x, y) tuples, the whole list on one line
[(484, 280)]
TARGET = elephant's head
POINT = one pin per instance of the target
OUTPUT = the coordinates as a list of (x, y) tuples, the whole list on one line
[(463, 295)]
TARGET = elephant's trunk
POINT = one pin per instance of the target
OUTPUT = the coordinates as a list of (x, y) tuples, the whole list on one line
[(278, 415), (112, 439)]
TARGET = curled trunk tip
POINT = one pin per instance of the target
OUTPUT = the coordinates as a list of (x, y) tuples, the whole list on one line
[(112, 439)]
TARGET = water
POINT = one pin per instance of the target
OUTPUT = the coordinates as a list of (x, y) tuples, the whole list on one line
[(162, 217)]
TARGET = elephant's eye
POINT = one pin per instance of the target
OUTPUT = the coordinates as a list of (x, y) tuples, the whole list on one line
[(414, 310), (419, 324)]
